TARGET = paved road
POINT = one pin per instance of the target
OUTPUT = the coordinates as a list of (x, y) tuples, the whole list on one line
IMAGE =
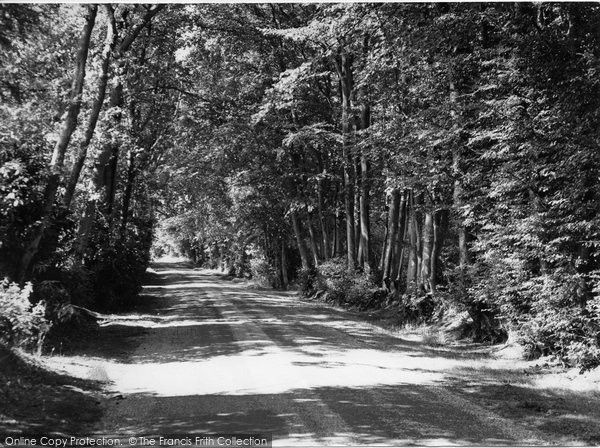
[(206, 355)]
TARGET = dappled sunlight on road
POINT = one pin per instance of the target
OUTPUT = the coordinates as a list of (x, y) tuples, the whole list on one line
[(261, 370), (184, 285), (218, 343), (203, 354)]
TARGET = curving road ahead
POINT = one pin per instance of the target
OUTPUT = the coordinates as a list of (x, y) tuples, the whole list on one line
[(207, 355)]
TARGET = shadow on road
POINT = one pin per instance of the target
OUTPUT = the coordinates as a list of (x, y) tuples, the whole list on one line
[(201, 354), (406, 415)]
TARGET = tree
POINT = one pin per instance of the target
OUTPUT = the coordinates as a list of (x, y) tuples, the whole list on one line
[(60, 148)]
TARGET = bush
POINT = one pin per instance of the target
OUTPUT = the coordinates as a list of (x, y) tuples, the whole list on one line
[(550, 314), (118, 276), (118, 264), (22, 176), (333, 277), (338, 285), (263, 273), (417, 309), (21, 323), (307, 279), (558, 324)]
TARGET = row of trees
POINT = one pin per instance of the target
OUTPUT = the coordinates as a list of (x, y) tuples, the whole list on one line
[(444, 153), (430, 156), (81, 126)]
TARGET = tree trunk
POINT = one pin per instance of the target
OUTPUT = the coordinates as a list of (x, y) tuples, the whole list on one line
[(323, 222), (400, 248), (70, 121), (110, 170), (349, 209), (313, 241), (300, 241), (425, 273), (415, 255), (440, 225), (365, 122), (284, 272), (356, 188), (365, 229), (339, 231), (418, 218), (86, 224), (104, 171), (131, 170), (68, 127), (335, 252), (411, 271), (343, 65), (102, 179), (109, 44), (393, 214), (335, 244), (384, 242)]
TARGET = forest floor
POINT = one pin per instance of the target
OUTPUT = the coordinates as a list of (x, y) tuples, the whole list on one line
[(201, 354)]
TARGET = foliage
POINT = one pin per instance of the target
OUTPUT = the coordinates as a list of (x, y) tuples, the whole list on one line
[(261, 134), (549, 314), (263, 273), (21, 323), (117, 267), (307, 280), (333, 282)]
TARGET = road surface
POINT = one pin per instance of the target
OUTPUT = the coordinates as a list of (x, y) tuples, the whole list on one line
[(207, 355)]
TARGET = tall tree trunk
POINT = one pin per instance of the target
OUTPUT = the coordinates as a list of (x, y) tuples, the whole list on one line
[(335, 252), (356, 187), (343, 63), (104, 171), (284, 272), (425, 274), (102, 179), (365, 122), (365, 228), (300, 241), (440, 225), (400, 246), (110, 170), (418, 219), (384, 242), (313, 241), (336, 243), (58, 156), (411, 271), (109, 44), (463, 250), (339, 231), (393, 214), (86, 224), (131, 171), (323, 222)]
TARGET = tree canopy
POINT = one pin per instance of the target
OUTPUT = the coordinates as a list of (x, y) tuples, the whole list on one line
[(432, 157)]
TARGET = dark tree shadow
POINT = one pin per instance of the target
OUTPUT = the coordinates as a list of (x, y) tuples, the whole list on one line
[(34, 400), (191, 316), (412, 415)]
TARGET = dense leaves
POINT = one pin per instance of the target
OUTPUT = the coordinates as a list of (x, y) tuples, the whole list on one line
[(21, 323), (429, 157)]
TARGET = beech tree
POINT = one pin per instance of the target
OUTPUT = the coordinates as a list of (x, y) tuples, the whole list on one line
[(430, 158), (68, 127)]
